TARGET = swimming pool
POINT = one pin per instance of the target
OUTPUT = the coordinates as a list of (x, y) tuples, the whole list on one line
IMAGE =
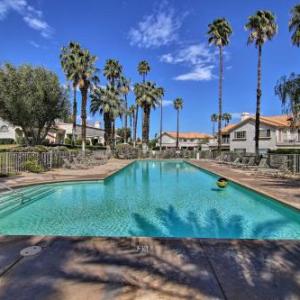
[(150, 198)]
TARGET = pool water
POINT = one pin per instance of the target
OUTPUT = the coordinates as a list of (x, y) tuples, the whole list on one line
[(150, 198)]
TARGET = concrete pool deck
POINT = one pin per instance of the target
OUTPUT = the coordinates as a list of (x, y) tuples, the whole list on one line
[(149, 268), (60, 175)]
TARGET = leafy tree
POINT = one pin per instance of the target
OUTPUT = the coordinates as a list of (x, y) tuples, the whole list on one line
[(226, 117), (32, 98), (70, 63), (214, 118), (219, 32), (178, 105), (294, 25), (107, 102), (288, 91), (148, 95), (262, 27)]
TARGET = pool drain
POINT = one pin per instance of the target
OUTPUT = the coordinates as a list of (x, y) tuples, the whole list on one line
[(30, 251)]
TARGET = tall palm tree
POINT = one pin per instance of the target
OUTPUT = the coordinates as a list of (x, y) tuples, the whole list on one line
[(262, 27), (112, 71), (178, 105), (148, 96), (107, 102), (124, 87), (219, 32), (214, 118), (87, 79), (294, 25), (143, 70), (226, 117), (69, 63), (131, 113)]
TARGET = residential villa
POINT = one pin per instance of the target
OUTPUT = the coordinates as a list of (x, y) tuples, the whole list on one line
[(56, 135), (275, 133), (187, 140), (93, 132)]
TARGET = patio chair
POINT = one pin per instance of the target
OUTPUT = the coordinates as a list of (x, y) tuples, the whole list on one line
[(243, 161), (251, 163), (78, 164)]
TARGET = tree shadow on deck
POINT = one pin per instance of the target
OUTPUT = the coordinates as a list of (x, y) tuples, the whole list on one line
[(135, 268)]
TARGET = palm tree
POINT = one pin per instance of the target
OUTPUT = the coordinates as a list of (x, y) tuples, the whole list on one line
[(214, 118), (107, 102), (87, 79), (262, 27), (131, 113), (112, 71), (178, 105), (219, 32), (69, 63), (124, 87), (226, 117), (143, 70), (294, 25), (148, 96)]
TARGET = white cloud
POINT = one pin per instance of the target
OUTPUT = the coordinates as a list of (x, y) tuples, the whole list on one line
[(198, 57), (167, 103), (34, 44), (31, 16), (157, 29), (199, 73)]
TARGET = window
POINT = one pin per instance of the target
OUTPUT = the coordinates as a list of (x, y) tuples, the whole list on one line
[(240, 135), (4, 128), (264, 133)]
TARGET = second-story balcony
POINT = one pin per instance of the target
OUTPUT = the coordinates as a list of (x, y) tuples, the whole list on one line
[(289, 142)]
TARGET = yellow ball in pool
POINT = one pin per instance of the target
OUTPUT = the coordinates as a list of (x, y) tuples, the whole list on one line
[(222, 183)]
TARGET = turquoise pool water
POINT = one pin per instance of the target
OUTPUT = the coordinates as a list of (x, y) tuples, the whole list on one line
[(150, 198)]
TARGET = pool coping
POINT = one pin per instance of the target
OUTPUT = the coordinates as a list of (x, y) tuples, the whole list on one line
[(79, 179), (244, 185)]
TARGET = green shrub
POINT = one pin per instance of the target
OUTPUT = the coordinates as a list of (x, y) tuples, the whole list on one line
[(285, 151), (39, 148), (7, 141), (32, 165), (68, 141)]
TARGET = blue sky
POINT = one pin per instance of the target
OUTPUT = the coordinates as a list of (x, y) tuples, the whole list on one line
[(171, 35)]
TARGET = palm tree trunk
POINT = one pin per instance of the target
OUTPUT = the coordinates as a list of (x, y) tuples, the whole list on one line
[(220, 97), (213, 128), (113, 138), (144, 126), (126, 107), (258, 100), (74, 115), (135, 124), (84, 92), (107, 129), (177, 131), (161, 118)]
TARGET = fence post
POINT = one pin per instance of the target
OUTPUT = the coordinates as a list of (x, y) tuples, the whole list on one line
[(294, 163)]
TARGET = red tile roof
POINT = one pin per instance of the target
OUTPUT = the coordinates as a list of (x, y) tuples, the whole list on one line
[(188, 135)]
